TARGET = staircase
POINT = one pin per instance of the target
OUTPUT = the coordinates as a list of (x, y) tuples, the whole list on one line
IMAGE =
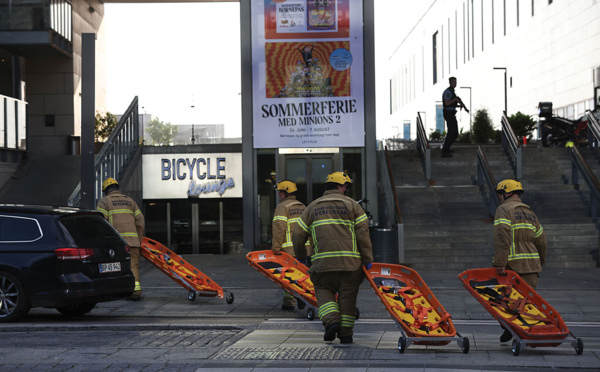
[(446, 219)]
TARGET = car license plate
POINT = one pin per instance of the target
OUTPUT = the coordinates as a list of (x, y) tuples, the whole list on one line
[(110, 267)]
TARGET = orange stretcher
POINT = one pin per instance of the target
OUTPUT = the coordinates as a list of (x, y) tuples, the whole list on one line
[(181, 271), (419, 315), (288, 273), (519, 309)]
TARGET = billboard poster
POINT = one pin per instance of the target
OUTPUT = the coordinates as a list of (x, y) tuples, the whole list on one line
[(307, 58)]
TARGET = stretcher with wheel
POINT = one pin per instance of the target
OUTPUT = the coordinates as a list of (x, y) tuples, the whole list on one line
[(519, 309), (181, 271), (288, 273), (416, 311)]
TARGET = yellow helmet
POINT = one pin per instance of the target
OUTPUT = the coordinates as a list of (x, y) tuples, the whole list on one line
[(509, 186), (287, 186), (338, 177), (569, 144), (108, 182)]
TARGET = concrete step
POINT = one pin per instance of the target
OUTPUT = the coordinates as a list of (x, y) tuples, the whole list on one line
[(446, 220)]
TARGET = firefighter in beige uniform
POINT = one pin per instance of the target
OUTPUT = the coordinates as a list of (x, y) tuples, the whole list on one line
[(123, 213), (340, 231), (520, 243), (286, 214)]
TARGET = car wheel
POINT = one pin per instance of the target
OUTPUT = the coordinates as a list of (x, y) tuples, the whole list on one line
[(14, 303), (76, 310)]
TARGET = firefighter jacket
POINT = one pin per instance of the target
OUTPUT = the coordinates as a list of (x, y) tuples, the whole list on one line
[(123, 213), (340, 234), (287, 213), (519, 240)]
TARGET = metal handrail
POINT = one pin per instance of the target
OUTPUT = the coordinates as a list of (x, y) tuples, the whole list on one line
[(116, 154), (393, 183), (593, 128), (400, 225), (579, 165), (484, 173), (423, 148), (509, 139), (13, 123)]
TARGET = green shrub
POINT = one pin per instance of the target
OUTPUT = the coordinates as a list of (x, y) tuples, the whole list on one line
[(464, 137), (104, 125), (522, 125), (436, 135), (483, 130)]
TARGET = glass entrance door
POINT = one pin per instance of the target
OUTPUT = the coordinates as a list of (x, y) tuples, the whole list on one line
[(309, 172)]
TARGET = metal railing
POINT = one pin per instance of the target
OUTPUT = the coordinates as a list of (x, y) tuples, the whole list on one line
[(13, 124), (509, 140), (116, 154), (485, 176), (593, 129), (423, 148), (40, 15), (580, 166), (399, 223)]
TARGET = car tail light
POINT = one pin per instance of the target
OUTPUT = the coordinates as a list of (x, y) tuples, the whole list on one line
[(73, 253), (127, 249)]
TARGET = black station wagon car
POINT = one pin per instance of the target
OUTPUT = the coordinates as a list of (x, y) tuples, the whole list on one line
[(59, 257)]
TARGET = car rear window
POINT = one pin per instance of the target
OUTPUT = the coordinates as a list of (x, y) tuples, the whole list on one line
[(89, 230), (19, 229)]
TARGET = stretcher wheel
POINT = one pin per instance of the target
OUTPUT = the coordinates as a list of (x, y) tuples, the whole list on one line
[(357, 313), (229, 298), (465, 345), (579, 347), (191, 295), (516, 347), (310, 314), (301, 304), (401, 345)]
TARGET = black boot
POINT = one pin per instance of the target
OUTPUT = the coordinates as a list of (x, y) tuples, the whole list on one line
[(506, 336), (331, 331)]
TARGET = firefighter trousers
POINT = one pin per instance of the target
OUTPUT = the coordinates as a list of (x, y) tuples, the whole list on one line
[(342, 309)]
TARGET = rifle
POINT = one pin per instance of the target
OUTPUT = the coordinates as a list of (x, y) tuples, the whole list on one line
[(462, 107)]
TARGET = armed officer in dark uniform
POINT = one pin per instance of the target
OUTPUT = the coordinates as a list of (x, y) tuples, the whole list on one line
[(450, 101)]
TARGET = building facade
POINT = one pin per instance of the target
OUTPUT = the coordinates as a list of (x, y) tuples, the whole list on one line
[(505, 55), (40, 54)]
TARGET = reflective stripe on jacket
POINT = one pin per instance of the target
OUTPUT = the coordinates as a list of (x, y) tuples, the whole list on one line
[(123, 213), (519, 240), (340, 233), (286, 215)]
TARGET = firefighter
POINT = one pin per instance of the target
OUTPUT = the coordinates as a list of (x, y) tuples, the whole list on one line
[(520, 243), (123, 213), (285, 217), (342, 244)]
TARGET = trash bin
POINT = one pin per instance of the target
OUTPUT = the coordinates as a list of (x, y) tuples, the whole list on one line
[(385, 245)]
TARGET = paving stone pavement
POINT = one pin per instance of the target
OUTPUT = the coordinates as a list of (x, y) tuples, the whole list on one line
[(167, 332)]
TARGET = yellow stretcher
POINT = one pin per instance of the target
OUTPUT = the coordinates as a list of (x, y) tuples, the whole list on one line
[(181, 271), (288, 273), (519, 309), (416, 311)]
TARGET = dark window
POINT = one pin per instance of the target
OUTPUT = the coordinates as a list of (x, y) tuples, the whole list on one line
[(434, 51), (89, 231), (504, 17), (19, 229), (493, 22)]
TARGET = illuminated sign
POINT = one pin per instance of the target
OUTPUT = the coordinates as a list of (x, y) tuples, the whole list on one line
[(181, 176)]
